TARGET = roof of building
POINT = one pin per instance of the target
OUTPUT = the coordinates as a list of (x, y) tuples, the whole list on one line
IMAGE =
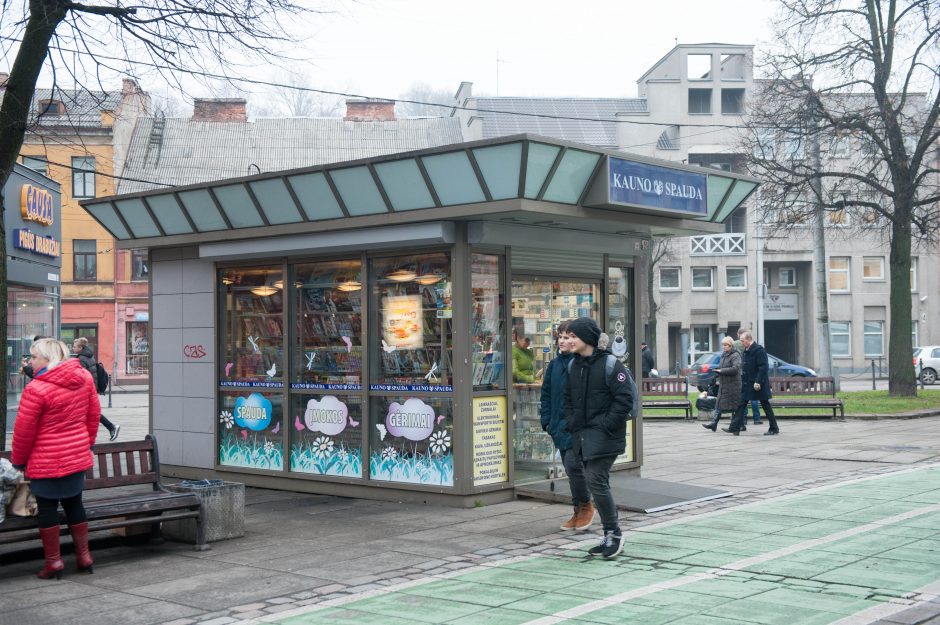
[(180, 152), (83, 108), (582, 120)]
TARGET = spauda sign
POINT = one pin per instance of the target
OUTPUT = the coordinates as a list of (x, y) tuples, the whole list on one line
[(36, 205)]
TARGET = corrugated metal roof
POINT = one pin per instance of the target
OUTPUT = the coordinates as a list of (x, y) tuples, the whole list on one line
[(187, 152), (579, 117)]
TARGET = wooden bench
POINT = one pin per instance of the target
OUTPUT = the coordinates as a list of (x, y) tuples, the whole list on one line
[(673, 393), (119, 466), (800, 392)]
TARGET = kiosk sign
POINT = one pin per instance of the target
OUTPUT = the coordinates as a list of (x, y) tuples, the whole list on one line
[(650, 186)]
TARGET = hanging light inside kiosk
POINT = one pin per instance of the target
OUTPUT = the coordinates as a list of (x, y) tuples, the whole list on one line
[(429, 278), (401, 275), (264, 291), (349, 285), (279, 285)]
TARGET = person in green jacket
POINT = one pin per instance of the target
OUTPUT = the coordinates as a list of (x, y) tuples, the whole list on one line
[(523, 360)]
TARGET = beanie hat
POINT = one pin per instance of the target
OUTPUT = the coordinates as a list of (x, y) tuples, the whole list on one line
[(585, 329)]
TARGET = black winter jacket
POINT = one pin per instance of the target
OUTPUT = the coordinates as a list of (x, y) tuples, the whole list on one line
[(755, 370), (597, 410), (87, 358)]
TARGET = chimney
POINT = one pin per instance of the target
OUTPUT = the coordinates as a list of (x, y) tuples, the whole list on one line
[(4, 77), (129, 86), (220, 110), (370, 111)]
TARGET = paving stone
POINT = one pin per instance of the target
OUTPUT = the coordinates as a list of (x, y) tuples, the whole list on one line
[(248, 607)]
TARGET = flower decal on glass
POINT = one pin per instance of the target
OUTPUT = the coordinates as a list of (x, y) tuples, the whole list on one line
[(227, 419), (440, 442), (342, 454), (322, 447), (268, 448), (389, 453)]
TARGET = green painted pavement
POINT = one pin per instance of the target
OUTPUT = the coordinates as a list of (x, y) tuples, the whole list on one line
[(836, 552)]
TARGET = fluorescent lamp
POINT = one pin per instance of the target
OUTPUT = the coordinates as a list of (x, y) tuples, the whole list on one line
[(264, 291), (401, 275)]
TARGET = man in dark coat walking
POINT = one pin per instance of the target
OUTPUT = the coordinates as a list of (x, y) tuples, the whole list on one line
[(598, 402), (646, 356), (755, 386)]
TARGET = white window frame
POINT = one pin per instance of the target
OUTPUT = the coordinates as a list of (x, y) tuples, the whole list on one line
[(880, 333), (847, 334), (781, 272), (83, 176), (766, 273), (693, 344), (711, 279), (913, 274), (881, 264), (915, 334), (678, 271), (728, 285), (847, 271)]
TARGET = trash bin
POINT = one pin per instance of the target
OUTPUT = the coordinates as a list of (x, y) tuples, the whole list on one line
[(224, 505)]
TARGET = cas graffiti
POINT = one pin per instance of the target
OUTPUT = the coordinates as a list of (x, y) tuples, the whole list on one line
[(194, 351)]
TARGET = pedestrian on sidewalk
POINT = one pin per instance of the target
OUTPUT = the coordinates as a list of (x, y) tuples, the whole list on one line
[(755, 385), (755, 410), (729, 388), (646, 358), (55, 428), (598, 402), (82, 350), (552, 413), (27, 369)]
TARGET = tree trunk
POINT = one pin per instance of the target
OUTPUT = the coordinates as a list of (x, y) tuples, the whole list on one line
[(44, 17), (901, 379)]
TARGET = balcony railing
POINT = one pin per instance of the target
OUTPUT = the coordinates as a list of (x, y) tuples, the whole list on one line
[(731, 244)]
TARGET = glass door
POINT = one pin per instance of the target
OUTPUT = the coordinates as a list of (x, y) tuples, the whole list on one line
[(538, 306)]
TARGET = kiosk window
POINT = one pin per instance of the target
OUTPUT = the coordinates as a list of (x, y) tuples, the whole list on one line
[(252, 301), (487, 348), (326, 436)]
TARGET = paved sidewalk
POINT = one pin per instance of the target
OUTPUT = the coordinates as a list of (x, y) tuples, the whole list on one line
[(302, 552)]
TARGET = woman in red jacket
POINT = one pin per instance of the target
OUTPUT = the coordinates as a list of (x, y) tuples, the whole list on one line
[(55, 428)]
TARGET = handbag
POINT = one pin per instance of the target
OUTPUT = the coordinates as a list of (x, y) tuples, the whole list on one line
[(23, 502)]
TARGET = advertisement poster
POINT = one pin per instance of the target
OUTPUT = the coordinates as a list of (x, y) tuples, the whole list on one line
[(249, 431), (327, 437), (490, 453), (628, 454), (413, 443), (403, 322)]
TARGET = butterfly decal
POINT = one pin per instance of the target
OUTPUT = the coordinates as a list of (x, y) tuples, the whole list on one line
[(277, 428), (432, 374), (440, 418), (311, 356), (272, 371), (348, 342), (382, 431), (298, 425), (388, 349), (245, 434), (228, 368), (352, 423), (254, 344)]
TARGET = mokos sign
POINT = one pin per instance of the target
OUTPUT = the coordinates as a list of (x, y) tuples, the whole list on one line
[(657, 187)]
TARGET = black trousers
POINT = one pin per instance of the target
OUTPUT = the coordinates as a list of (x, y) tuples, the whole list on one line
[(740, 415), (49, 511)]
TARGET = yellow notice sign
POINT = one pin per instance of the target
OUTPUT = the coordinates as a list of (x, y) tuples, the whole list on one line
[(490, 459)]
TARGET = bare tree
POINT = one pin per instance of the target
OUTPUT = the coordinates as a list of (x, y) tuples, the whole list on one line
[(857, 79), (659, 252), (423, 100), (170, 37)]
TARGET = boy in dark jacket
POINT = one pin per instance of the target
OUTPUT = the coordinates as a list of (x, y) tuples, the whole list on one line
[(597, 407), (552, 413), (82, 350)]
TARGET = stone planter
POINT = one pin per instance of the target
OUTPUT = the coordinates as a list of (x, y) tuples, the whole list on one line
[(224, 505)]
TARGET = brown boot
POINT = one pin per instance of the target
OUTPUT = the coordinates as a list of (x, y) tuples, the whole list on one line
[(572, 522), (50, 547), (82, 554), (585, 516)]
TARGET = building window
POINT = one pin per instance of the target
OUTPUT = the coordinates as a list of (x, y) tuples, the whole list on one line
[(838, 218), (85, 260), (839, 274), (736, 278), (140, 266), (50, 107), (840, 343), (732, 101), (701, 341), (873, 269), (839, 147), (914, 340), (787, 276), (37, 163), (699, 66), (766, 283), (72, 331), (913, 274), (700, 101), (83, 176), (138, 347), (669, 279), (874, 339), (703, 278), (733, 67)]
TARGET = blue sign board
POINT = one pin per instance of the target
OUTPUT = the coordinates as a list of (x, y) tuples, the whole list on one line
[(657, 187)]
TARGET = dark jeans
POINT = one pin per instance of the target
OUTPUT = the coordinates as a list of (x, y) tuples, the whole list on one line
[(740, 416), (106, 423), (597, 476), (575, 470), (49, 511)]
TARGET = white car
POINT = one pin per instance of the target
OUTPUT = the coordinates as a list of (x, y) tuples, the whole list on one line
[(927, 363)]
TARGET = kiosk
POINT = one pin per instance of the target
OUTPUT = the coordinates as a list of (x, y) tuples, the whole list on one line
[(347, 329)]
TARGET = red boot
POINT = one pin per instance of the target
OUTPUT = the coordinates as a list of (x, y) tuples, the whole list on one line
[(50, 546), (82, 554)]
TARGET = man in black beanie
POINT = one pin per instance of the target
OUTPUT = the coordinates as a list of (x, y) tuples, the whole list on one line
[(598, 402)]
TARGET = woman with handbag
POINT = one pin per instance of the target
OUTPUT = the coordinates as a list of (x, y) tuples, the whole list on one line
[(56, 425)]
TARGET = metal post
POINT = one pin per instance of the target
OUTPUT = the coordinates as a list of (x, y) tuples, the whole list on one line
[(921, 376), (873, 375), (111, 382)]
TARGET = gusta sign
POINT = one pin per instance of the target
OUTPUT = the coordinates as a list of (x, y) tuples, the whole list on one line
[(657, 187)]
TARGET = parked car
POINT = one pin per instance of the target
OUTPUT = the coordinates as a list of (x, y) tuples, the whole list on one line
[(702, 374), (927, 363)]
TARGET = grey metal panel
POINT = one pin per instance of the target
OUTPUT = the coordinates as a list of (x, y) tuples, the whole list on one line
[(546, 260)]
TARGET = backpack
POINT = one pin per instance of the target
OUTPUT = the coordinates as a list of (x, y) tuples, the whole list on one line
[(102, 379), (608, 371)]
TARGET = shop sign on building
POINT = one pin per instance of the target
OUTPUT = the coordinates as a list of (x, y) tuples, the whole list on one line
[(782, 306), (34, 246), (655, 187)]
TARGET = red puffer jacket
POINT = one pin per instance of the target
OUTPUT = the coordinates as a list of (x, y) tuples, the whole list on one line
[(57, 422)]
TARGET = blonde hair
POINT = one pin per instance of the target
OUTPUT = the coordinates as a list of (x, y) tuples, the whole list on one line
[(81, 341), (52, 350), (727, 341)]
